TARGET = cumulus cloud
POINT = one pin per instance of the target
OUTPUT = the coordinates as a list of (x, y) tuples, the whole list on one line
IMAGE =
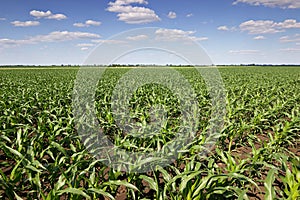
[(87, 23), (285, 4), (40, 14), (259, 27), (138, 17), (133, 14), (57, 16), (223, 28), (268, 26), (2, 19), (173, 34), (47, 15), (294, 38), (172, 15), (260, 37), (289, 23), (80, 25), (244, 52), (93, 23), (177, 34), (64, 36), (25, 24), (56, 36), (137, 37), (189, 15)]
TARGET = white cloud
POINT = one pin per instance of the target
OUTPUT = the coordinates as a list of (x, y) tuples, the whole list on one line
[(5, 42), (56, 36), (138, 17), (176, 34), (291, 50), (223, 28), (260, 37), (85, 45), (268, 26), (132, 14), (109, 41), (289, 23), (64, 36), (137, 37), (189, 15), (127, 2), (2, 19), (201, 39), (93, 23), (57, 16), (173, 34), (285, 39), (244, 52), (226, 28), (259, 27), (87, 23), (40, 14), (285, 4), (172, 15), (47, 15), (80, 25), (294, 38), (25, 24)]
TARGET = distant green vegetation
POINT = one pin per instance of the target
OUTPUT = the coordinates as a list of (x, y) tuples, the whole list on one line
[(256, 157)]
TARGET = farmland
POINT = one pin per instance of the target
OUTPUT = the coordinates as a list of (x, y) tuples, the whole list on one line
[(257, 155)]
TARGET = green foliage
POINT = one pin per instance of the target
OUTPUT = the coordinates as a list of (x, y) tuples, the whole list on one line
[(42, 157)]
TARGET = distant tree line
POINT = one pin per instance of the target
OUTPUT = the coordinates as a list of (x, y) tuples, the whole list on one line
[(148, 65)]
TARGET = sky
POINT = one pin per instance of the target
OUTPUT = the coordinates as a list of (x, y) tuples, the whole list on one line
[(55, 32)]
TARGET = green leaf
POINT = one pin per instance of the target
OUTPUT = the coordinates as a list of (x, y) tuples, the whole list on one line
[(60, 183), (15, 152), (270, 192), (102, 192), (17, 196), (118, 182), (152, 183), (14, 171), (59, 147), (186, 179), (165, 174), (5, 138), (74, 191)]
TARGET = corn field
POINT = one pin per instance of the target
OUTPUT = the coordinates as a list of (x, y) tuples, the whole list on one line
[(257, 155)]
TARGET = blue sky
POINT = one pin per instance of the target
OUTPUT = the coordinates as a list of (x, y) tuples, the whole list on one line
[(231, 31)]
